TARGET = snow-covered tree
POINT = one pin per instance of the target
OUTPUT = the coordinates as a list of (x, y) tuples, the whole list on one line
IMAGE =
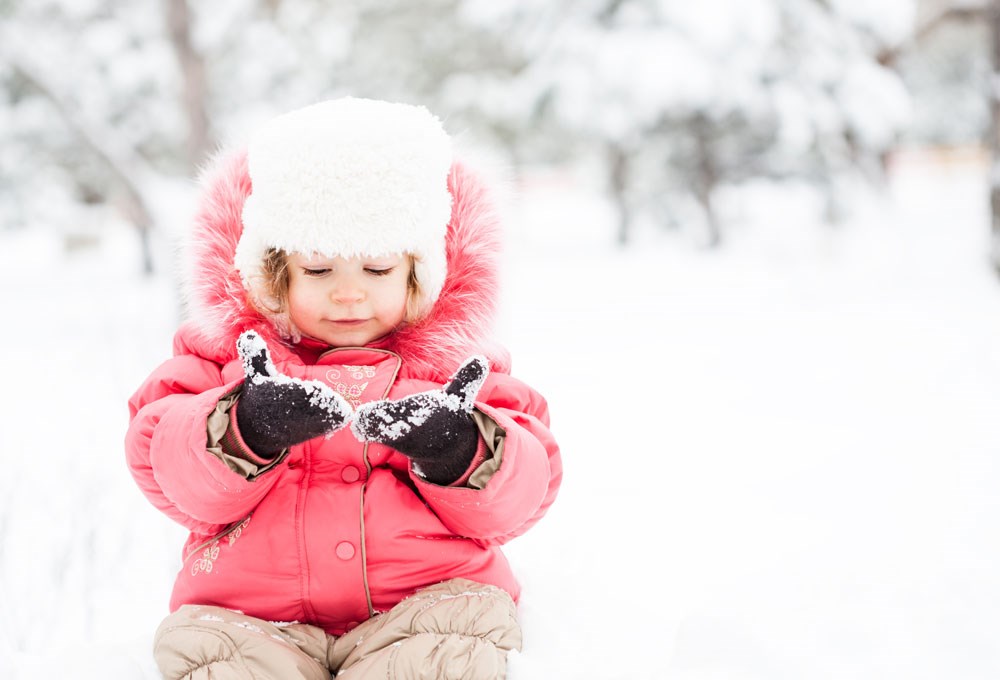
[(994, 103), (83, 88), (945, 65), (677, 99), (100, 99), (669, 101)]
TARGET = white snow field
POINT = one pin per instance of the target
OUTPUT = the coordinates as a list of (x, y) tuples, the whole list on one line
[(781, 458)]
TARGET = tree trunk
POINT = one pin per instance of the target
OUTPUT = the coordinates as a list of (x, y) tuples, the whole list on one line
[(121, 164), (705, 181), (618, 181), (994, 98), (195, 88)]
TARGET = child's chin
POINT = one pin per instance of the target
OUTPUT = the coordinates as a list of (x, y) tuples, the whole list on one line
[(347, 339)]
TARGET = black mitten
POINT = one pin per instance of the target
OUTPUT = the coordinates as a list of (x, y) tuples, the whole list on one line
[(434, 429), (276, 411)]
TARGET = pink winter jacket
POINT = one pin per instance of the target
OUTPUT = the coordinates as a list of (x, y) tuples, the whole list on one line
[(336, 530)]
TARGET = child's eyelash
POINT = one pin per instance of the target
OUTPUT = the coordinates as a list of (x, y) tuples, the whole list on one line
[(324, 270)]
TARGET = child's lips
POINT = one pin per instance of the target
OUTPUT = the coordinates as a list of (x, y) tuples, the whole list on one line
[(348, 322)]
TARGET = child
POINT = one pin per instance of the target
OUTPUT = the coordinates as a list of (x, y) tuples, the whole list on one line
[(335, 428)]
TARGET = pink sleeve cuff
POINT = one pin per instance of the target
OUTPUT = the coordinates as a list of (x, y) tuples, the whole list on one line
[(477, 460), (233, 444)]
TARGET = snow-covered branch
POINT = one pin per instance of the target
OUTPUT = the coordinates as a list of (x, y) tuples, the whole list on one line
[(125, 168)]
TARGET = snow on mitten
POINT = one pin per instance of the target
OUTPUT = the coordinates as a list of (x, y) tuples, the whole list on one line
[(433, 429), (276, 411)]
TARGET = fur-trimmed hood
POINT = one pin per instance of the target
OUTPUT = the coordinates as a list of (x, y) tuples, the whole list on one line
[(458, 325)]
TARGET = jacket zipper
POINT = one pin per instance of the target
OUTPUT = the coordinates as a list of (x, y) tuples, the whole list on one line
[(368, 474), (364, 487), (364, 551)]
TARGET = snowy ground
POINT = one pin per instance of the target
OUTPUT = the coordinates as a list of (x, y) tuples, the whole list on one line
[(781, 458)]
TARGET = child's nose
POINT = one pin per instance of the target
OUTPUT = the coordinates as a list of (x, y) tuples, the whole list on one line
[(347, 291)]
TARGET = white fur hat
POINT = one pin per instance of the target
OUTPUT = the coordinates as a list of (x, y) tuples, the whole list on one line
[(349, 177)]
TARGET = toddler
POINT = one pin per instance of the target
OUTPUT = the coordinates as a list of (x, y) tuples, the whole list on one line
[(335, 428)]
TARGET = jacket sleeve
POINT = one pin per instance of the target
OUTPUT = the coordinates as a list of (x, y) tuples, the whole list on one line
[(167, 447), (527, 480)]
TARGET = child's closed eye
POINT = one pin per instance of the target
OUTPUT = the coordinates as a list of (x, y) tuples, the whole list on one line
[(379, 272), (318, 271)]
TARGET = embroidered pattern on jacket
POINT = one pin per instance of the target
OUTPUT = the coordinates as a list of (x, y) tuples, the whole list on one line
[(350, 391), (206, 562), (361, 372), (238, 531)]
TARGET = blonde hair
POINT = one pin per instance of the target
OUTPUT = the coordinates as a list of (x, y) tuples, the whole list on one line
[(274, 287)]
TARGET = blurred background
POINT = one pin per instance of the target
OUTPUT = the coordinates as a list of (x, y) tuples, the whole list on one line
[(663, 106), (752, 262)]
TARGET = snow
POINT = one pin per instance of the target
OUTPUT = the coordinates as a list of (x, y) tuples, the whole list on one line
[(468, 380), (875, 102), (252, 348), (890, 21), (780, 458), (386, 421)]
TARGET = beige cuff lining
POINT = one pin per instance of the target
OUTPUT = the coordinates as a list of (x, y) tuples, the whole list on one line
[(493, 436), (236, 460)]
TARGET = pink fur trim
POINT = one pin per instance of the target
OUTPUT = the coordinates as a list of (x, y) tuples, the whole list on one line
[(457, 326)]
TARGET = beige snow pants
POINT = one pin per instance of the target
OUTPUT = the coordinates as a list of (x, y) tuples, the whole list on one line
[(456, 629)]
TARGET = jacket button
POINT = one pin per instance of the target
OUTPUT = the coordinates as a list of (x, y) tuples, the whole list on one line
[(345, 550), (350, 474)]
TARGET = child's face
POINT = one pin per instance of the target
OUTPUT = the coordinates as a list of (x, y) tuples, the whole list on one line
[(347, 302)]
